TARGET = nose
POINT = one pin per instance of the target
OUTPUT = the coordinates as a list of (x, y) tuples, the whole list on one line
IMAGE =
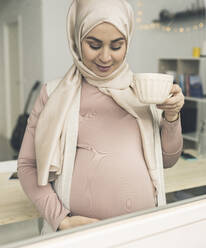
[(105, 55)]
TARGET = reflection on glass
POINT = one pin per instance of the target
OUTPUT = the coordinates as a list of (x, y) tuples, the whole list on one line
[(173, 43)]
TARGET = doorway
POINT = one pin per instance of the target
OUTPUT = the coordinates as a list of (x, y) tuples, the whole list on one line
[(12, 75)]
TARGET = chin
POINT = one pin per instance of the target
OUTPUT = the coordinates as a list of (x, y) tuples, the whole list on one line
[(103, 74)]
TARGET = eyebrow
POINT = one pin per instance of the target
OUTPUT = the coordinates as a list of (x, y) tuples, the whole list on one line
[(99, 41)]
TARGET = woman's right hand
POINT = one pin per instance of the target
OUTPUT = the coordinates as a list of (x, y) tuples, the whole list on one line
[(74, 221)]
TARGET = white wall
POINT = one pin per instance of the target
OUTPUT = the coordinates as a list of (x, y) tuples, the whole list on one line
[(146, 48), (56, 55), (149, 45), (30, 13), (1, 74)]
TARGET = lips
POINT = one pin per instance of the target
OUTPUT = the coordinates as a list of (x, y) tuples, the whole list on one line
[(103, 68)]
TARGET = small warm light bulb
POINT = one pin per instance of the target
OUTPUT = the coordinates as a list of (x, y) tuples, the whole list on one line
[(139, 13), (168, 29), (201, 25), (181, 30), (139, 20)]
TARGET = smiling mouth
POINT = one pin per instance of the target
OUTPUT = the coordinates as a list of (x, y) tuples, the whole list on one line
[(103, 68)]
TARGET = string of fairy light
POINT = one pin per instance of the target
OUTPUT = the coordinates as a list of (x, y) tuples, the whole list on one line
[(171, 27)]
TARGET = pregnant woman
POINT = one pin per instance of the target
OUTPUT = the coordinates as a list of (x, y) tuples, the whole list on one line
[(91, 150)]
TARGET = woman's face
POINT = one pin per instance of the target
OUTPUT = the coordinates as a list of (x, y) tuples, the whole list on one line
[(103, 49)]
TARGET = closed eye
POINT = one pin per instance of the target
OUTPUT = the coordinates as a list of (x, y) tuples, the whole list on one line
[(95, 47), (98, 47), (115, 48)]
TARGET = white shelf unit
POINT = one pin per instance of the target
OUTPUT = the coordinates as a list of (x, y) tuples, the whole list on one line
[(185, 65), (190, 66)]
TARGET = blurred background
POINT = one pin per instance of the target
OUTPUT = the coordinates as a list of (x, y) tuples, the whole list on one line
[(33, 46)]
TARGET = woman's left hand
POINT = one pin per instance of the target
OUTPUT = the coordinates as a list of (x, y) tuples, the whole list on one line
[(173, 105)]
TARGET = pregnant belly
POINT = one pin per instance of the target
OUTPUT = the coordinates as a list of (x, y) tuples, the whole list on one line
[(106, 185)]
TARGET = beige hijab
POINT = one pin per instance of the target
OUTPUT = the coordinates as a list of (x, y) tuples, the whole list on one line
[(57, 128)]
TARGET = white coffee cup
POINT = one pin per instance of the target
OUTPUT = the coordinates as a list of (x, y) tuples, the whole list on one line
[(153, 88)]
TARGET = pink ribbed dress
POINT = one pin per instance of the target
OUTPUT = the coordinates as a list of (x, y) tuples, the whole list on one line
[(110, 177)]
